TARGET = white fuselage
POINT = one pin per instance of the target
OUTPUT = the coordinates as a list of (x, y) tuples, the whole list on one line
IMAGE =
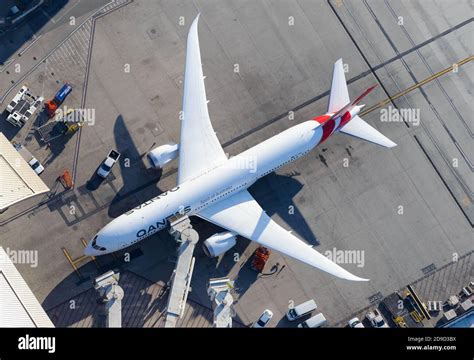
[(237, 174)]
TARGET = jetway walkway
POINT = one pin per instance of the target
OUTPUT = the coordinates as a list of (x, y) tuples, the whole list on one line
[(112, 295), (187, 237), (219, 291)]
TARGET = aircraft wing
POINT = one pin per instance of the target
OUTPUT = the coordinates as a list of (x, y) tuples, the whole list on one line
[(241, 214), (199, 148)]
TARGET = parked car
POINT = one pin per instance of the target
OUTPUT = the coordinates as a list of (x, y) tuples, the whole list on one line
[(376, 319), (264, 319), (36, 165), (29, 158), (355, 323)]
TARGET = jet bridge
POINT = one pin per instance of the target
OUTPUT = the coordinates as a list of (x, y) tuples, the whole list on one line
[(219, 290), (112, 295), (187, 237)]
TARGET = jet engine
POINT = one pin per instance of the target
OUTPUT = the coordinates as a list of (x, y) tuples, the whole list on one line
[(162, 155), (219, 243)]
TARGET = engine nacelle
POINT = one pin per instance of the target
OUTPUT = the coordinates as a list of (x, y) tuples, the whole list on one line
[(162, 155), (219, 243)]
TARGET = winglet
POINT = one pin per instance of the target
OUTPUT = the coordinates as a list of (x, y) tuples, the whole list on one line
[(194, 25)]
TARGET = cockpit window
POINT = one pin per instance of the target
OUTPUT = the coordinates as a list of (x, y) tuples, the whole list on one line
[(95, 246)]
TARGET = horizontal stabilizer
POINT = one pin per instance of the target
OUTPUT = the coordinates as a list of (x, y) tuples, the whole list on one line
[(360, 129)]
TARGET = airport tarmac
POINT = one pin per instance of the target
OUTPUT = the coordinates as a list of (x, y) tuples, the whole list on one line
[(401, 210)]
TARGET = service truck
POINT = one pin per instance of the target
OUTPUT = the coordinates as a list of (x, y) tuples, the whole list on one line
[(53, 104), (22, 107), (376, 320), (108, 163)]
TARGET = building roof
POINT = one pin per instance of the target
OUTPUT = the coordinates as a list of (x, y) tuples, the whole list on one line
[(18, 306), (18, 180)]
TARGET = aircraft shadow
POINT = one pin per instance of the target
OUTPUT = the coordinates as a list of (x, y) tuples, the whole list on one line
[(95, 181), (137, 181), (275, 195), (136, 177)]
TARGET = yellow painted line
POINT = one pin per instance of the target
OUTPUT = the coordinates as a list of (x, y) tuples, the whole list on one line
[(75, 261), (84, 242), (80, 258), (71, 261), (416, 86)]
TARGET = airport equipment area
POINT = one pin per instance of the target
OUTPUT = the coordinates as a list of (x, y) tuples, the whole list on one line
[(22, 107), (105, 143)]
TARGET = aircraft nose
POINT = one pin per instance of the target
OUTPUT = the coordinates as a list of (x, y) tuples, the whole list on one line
[(93, 247), (88, 250)]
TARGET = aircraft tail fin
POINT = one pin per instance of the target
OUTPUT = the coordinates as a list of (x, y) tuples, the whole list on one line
[(360, 129), (339, 100), (339, 96), (340, 106)]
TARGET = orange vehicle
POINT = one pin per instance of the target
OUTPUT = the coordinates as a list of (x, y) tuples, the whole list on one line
[(52, 105), (261, 257)]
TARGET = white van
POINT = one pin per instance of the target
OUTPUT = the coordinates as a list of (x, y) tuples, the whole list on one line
[(301, 310), (314, 322)]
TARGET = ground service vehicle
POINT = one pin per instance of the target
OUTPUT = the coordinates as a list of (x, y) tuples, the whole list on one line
[(22, 107), (52, 105), (301, 310), (108, 163), (376, 319), (68, 124), (314, 322)]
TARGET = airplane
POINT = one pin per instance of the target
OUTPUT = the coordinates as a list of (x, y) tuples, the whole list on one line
[(213, 186)]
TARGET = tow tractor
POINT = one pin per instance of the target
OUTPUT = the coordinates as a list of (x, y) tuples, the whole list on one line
[(260, 259), (68, 124), (22, 107), (52, 105)]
